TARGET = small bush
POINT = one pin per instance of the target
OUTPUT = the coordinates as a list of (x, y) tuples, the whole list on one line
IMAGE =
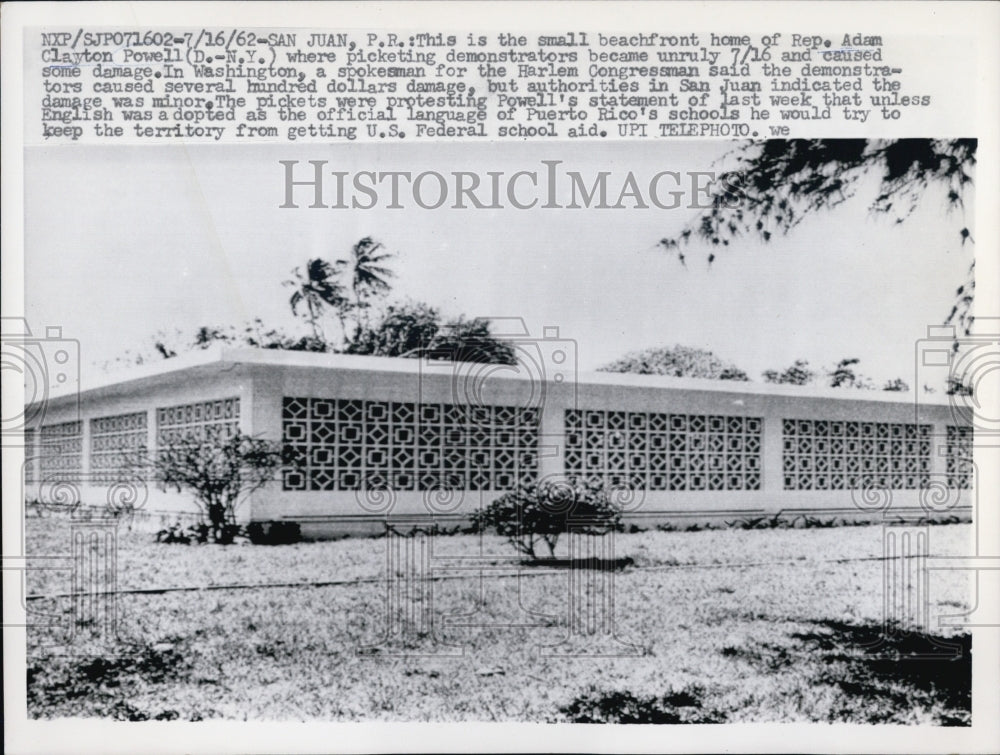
[(220, 472), (175, 534), (434, 529), (775, 522), (813, 522), (542, 512), (274, 533), (198, 533), (696, 527)]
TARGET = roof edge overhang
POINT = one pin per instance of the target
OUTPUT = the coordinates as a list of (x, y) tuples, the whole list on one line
[(221, 357)]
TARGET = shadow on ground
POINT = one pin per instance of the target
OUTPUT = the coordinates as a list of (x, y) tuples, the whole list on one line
[(881, 675), (596, 706), (97, 685)]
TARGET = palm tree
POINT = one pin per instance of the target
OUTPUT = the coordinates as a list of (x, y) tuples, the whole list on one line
[(318, 289), (369, 276)]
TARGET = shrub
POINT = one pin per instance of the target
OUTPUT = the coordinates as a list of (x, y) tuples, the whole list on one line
[(763, 523), (175, 534), (434, 529), (541, 513), (200, 533), (220, 472), (815, 522), (274, 533)]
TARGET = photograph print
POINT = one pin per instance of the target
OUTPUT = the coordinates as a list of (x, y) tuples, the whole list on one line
[(570, 432)]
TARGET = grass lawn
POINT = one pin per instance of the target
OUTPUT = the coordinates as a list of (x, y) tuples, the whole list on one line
[(721, 625)]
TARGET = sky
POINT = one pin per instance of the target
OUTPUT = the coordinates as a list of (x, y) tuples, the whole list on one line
[(124, 242)]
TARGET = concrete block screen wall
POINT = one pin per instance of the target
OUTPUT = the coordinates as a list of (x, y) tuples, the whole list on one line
[(377, 438)]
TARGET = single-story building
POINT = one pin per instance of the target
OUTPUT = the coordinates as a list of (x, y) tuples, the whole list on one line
[(378, 438)]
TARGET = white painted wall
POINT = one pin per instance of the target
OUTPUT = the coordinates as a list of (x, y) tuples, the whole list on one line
[(260, 379)]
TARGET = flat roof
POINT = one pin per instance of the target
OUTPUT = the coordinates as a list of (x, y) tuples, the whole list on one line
[(220, 356)]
